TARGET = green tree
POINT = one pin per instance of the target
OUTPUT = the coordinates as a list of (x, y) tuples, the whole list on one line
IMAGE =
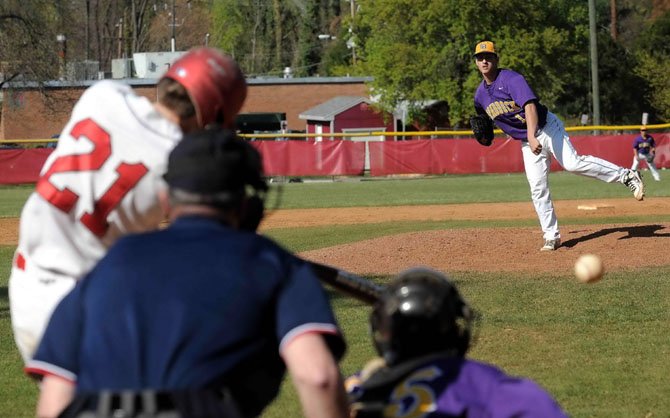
[(266, 36), (228, 26), (417, 50), (241, 29), (309, 46), (623, 92), (652, 52), (421, 49)]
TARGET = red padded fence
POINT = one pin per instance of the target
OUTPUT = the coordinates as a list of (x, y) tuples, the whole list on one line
[(19, 166), (440, 156), (465, 156), (349, 158), (312, 158)]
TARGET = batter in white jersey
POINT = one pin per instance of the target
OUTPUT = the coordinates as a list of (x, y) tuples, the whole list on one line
[(102, 180), (505, 96)]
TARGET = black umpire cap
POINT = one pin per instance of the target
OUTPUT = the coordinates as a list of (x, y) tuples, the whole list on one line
[(216, 165)]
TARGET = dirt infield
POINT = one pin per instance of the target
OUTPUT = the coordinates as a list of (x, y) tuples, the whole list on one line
[(480, 249)]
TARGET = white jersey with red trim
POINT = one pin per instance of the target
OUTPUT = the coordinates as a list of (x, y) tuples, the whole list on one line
[(100, 183)]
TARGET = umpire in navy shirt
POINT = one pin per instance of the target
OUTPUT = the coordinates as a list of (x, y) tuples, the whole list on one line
[(200, 319)]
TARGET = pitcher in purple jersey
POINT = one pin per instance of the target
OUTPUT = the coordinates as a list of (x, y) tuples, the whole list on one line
[(421, 328), (644, 149), (200, 319), (505, 96)]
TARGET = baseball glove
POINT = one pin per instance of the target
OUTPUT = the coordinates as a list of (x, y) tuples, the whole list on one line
[(650, 157), (482, 127)]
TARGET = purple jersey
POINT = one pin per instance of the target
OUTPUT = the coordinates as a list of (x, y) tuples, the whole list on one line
[(449, 387), (644, 145), (193, 306), (504, 102)]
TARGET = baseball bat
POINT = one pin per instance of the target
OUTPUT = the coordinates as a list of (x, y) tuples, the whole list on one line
[(348, 283)]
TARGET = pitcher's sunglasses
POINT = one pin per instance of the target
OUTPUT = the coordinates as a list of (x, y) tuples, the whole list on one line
[(486, 56)]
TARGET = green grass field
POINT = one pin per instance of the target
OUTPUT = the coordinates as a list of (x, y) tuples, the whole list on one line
[(602, 350)]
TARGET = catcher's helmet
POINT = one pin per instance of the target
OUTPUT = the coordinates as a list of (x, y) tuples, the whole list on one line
[(214, 82), (215, 167), (420, 313)]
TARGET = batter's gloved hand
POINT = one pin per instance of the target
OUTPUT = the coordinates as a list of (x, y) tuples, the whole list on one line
[(482, 127)]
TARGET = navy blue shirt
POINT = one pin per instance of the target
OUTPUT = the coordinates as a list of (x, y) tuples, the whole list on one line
[(184, 308)]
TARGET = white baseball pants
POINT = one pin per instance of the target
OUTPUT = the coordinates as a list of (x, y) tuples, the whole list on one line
[(33, 295), (651, 165), (556, 142)]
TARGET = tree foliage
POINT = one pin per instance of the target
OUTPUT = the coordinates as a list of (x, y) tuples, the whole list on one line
[(267, 36), (415, 50), (419, 50), (28, 48), (652, 62)]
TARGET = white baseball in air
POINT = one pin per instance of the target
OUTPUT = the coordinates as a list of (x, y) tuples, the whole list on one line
[(589, 268)]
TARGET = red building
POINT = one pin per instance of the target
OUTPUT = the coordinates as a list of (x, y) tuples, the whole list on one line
[(32, 112), (350, 115)]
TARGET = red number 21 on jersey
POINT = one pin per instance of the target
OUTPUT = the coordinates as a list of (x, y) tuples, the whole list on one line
[(128, 175)]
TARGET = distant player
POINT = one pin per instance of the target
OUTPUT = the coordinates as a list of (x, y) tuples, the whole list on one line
[(505, 96), (421, 328), (102, 180), (644, 149)]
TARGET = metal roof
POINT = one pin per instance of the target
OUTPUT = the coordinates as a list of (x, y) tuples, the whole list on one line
[(327, 111)]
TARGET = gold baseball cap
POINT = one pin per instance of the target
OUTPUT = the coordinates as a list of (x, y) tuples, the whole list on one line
[(484, 47)]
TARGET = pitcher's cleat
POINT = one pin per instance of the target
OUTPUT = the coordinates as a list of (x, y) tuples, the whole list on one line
[(633, 180), (551, 244)]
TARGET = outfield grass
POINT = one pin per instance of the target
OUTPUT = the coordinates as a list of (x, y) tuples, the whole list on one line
[(449, 189), (420, 191), (602, 350), (12, 199)]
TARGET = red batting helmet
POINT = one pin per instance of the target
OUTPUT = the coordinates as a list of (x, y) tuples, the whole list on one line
[(214, 82)]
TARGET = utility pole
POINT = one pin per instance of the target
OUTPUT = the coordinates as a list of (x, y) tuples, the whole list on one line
[(120, 44), (173, 41), (594, 63), (62, 55)]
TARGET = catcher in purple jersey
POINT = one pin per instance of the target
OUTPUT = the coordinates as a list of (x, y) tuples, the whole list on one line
[(200, 319), (644, 149), (421, 327), (506, 98)]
